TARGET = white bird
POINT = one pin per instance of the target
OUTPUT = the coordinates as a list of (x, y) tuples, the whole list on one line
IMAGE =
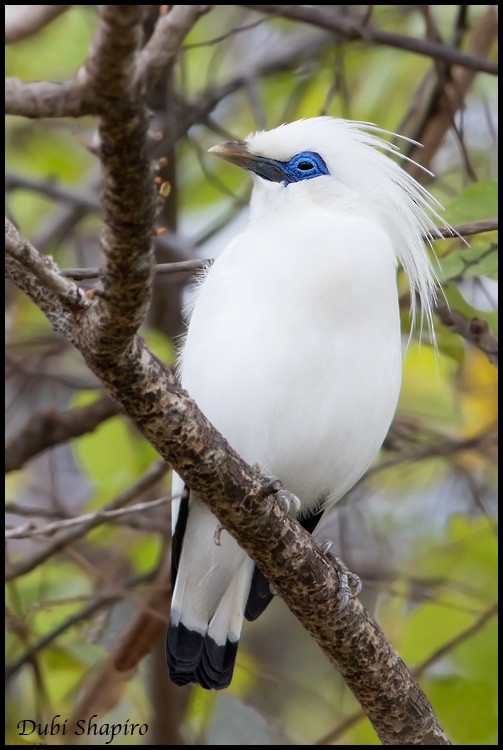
[(293, 351)]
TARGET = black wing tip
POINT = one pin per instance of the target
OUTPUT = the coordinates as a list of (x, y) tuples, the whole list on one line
[(259, 596), (179, 533), (260, 591), (196, 658)]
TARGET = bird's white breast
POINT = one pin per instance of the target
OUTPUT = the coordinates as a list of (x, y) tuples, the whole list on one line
[(293, 350)]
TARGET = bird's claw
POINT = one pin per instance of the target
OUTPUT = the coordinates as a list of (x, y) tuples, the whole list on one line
[(289, 502), (350, 584)]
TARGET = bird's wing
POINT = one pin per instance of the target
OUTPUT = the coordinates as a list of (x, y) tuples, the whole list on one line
[(179, 512), (260, 590)]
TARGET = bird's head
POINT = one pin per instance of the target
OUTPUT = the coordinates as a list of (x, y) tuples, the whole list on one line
[(333, 159), (304, 165)]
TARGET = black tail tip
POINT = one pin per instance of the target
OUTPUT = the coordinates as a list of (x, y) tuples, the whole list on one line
[(195, 658)]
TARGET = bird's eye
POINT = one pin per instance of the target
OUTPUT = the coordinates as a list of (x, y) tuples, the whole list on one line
[(304, 166)]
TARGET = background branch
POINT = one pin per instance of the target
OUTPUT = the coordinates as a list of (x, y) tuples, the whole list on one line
[(51, 428), (474, 330), (68, 536), (192, 266), (350, 30), (22, 21)]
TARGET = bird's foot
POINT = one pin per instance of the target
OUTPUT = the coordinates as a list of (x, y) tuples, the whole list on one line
[(289, 502), (350, 584)]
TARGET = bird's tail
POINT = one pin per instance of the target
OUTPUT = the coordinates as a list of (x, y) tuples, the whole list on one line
[(205, 655), (213, 577)]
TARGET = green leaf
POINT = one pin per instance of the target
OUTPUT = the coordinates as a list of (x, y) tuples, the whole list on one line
[(160, 345), (478, 201), (112, 456), (458, 302), (451, 345), (427, 384), (468, 262), (56, 50), (475, 718)]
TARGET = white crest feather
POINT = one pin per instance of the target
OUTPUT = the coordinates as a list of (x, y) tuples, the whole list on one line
[(358, 154)]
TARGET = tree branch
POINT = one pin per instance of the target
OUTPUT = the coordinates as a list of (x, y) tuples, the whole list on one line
[(44, 269), (22, 21), (58, 316), (351, 30), (102, 600), (129, 196), (354, 718), (50, 428), (69, 535), (161, 50), (474, 330), (45, 99)]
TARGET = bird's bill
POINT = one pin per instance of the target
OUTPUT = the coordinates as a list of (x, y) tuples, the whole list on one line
[(236, 152)]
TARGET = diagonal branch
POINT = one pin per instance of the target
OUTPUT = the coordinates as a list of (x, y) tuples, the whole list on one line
[(23, 20), (69, 535), (44, 269), (474, 330), (51, 306), (350, 29), (451, 93), (104, 599), (440, 653), (163, 46), (50, 428)]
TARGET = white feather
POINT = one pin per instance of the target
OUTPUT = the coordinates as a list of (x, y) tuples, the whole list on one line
[(294, 348)]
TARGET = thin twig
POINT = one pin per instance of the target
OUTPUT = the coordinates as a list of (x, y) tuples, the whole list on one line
[(155, 471), (474, 330), (28, 530), (193, 266), (351, 29), (184, 266), (101, 601), (44, 268), (459, 638)]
